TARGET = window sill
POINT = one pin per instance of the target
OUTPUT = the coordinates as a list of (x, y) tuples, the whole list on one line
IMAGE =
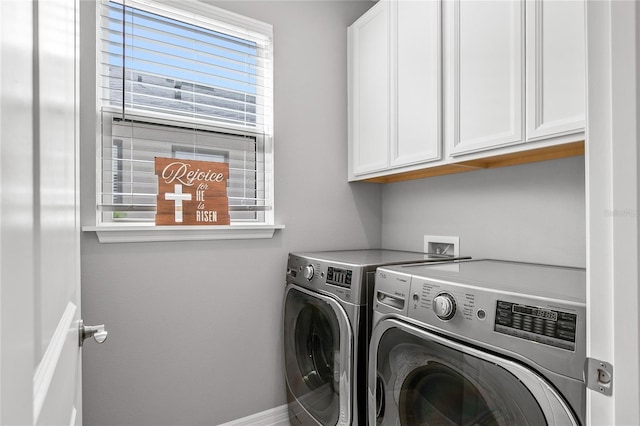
[(135, 233)]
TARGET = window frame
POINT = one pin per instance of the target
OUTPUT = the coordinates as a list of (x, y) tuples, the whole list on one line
[(195, 13)]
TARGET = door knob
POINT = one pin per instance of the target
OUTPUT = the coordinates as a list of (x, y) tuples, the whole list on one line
[(98, 332)]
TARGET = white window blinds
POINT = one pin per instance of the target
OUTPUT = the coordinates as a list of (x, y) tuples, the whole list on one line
[(189, 82)]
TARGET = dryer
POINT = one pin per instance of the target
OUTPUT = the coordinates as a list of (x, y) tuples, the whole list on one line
[(478, 342), (327, 324)]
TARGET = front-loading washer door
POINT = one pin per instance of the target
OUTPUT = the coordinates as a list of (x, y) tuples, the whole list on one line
[(318, 347), (420, 378)]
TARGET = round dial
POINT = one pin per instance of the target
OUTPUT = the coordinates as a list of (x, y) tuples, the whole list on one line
[(308, 272), (444, 306)]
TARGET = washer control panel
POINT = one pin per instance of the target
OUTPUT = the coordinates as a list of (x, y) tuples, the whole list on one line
[(494, 305), (481, 314), (444, 306), (340, 280), (547, 326), (339, 276), (432, 300)]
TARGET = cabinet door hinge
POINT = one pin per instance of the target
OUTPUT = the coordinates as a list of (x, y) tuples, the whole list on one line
[(598, 376)]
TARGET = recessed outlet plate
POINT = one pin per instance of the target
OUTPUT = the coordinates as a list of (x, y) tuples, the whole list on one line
[(437, 244)]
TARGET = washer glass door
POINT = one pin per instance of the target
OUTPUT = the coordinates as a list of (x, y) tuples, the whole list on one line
[(314, 327), (424, 381)]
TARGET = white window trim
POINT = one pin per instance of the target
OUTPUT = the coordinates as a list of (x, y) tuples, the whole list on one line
[(149, 232), (136, 233)]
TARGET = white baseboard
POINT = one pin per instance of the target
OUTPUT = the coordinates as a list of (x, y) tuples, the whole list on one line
[(278, 416)]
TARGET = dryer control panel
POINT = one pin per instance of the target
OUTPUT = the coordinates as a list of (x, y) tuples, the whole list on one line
[(339, 276), (546, 326), (531, 312), (332, 278)]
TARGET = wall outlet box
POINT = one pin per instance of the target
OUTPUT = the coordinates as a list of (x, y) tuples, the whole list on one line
[(436, 244)]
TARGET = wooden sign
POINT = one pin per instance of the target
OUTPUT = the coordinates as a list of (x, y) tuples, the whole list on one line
[(191, 192)]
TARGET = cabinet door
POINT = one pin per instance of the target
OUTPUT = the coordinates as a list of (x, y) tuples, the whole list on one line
[(485, 58), (556, 44), (369, 105), (416, 120)]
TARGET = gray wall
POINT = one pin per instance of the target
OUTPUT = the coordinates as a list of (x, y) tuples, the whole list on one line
[(533, 212), (203, 345)]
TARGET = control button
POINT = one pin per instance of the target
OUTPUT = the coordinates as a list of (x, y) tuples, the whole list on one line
[(503, 321), (504, 305), (538, 325), (550, 328), (517, 321), (444, 306), (567, 335), (481, 314), (308, 272), (566, 317), (416, 297), (567, 325)]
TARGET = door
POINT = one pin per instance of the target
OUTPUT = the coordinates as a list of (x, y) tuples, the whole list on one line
[(484, 84), (422, 379), (369, 91), (40, 374), (318, 356), (556, 46), (416, 94)]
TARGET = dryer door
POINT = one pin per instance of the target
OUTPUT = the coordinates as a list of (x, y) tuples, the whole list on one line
[(424, 379), (318, 342)]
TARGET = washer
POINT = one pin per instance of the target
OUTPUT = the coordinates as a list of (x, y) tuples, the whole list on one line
[(478, 342), (327, 323)]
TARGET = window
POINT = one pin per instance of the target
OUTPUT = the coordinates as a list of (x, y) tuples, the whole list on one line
[(190, 82)]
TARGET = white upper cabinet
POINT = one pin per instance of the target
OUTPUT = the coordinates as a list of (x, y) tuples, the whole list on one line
[(485, 74), (394, 87), (441, 87), (369, 91), (416, 77), (555, 68)]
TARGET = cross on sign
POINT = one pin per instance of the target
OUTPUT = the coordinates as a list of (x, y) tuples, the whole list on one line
[(191, 192), (177, 196)]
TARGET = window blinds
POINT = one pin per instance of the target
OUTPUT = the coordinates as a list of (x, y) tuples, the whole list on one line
[(166, 61), (128, 177), (181, 83)]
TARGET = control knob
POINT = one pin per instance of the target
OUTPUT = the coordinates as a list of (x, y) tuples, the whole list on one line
[(444, 306), (308, 272)]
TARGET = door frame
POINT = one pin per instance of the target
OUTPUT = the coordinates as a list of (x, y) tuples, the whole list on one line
[(612, 194)]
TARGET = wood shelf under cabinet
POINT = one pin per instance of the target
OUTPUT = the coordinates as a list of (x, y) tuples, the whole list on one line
[(572, 149)]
